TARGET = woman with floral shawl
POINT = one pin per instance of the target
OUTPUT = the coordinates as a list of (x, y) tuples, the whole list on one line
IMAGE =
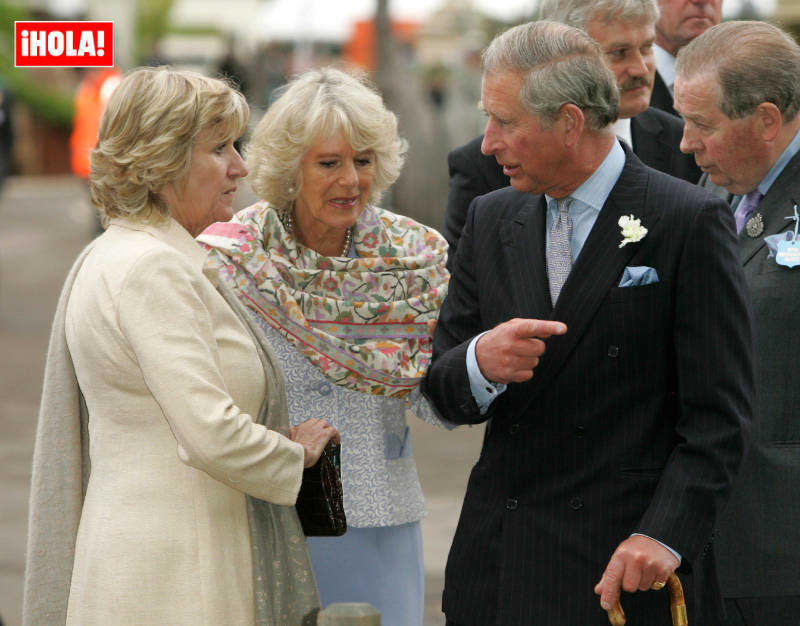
[(346, 293)]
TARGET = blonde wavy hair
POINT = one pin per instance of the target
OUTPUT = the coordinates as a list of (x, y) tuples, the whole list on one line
[(312, 107), (147, 131)]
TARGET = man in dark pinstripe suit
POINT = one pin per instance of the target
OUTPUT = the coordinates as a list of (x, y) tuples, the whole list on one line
[(608, 456)]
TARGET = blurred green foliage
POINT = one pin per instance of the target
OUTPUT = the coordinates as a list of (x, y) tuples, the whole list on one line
[(53, 105), (194, 30), (152, 23)]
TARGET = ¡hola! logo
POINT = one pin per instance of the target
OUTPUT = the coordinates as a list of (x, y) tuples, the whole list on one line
[(63, 44)]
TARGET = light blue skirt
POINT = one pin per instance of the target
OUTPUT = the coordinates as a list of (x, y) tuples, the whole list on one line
[(382, 566)]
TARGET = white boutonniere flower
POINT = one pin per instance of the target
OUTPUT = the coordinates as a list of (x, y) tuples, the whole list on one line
[(632, 229)]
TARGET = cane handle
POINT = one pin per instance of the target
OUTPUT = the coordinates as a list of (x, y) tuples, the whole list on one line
[(677, 605)]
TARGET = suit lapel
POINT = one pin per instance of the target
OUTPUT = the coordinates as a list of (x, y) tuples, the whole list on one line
[(661, 98), (774, 207), (648, 143), (529, 282), (598, 267)]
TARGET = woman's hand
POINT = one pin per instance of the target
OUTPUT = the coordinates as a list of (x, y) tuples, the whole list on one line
[(313, 434)]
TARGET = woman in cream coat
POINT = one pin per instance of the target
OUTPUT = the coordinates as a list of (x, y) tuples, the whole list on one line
[(158, 511)]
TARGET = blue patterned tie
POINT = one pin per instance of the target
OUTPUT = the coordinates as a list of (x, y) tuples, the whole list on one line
[(745, 208), (559, 252)]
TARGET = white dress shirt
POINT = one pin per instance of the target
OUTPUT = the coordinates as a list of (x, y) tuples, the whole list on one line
[(665, 66)]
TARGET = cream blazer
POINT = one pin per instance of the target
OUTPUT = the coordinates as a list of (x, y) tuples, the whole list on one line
[(171, 378)]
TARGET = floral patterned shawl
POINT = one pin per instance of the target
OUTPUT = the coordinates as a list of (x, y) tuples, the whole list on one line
[(361, 320)]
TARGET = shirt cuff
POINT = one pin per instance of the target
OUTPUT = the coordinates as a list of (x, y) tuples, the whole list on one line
[(484, 391), (677, 556)]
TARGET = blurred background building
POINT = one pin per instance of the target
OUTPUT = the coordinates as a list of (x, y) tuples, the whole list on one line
[(423, 54), (786, 15)]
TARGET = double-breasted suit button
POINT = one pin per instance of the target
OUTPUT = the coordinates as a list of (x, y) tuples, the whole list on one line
[(613, 351), (513, 429), (576, 504), (580, 431), (512, 504)]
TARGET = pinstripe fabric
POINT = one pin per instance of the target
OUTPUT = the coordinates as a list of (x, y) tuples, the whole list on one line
[(633, 422)]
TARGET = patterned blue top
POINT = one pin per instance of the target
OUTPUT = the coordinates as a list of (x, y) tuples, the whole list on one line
[(379, 475)]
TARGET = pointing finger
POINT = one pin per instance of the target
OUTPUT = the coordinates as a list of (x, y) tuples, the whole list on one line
[(540, 328)]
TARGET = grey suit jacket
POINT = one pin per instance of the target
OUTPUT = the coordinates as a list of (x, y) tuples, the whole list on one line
[(758, 536)]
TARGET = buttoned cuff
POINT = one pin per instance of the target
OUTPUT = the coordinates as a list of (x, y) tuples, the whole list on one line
[(484, 391)]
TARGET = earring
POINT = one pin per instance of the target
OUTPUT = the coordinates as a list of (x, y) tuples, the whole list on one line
[(290, 189)]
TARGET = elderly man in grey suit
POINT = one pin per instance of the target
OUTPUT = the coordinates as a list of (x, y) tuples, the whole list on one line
[(738, 87)]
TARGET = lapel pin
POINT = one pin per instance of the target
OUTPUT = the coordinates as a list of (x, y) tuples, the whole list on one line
[(755, 226)]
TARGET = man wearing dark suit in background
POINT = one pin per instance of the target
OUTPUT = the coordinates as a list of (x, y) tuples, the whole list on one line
[(625, 30), (605, 465), (742, 125), (680, 22)]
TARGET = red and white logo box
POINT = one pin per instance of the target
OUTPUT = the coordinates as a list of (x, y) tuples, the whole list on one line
[(63, 44)]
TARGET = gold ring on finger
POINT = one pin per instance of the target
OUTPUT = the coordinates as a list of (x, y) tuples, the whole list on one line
[(657, 585)]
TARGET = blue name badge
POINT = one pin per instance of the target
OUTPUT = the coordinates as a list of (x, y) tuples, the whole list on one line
[(788, 253)]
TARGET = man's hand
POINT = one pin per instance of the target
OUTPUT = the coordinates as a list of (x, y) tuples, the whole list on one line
[(510, 351), (636, 564)]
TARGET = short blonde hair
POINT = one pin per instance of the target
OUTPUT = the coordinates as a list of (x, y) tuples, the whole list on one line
[(314, 106), (147, 131)]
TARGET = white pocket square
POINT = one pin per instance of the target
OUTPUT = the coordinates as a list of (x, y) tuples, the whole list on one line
[(638, 276)]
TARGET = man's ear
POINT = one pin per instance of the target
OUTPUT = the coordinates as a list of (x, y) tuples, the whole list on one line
[(768, 121), (571, 122)]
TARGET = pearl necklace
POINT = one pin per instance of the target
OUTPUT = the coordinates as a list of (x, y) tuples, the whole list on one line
[(288, 223)]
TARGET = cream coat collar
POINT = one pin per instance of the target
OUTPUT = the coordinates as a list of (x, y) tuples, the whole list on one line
[(170, 232)]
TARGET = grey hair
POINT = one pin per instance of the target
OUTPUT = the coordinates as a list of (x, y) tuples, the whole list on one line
[(754, 62), (579, 13), (561, 65), (314, 106)]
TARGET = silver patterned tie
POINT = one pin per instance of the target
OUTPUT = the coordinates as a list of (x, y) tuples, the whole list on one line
[(559, 252)]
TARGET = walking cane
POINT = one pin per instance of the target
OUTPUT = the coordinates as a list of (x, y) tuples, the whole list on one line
[(677, 605)]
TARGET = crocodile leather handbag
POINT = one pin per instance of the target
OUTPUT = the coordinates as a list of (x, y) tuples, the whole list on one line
[(320, 504)]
